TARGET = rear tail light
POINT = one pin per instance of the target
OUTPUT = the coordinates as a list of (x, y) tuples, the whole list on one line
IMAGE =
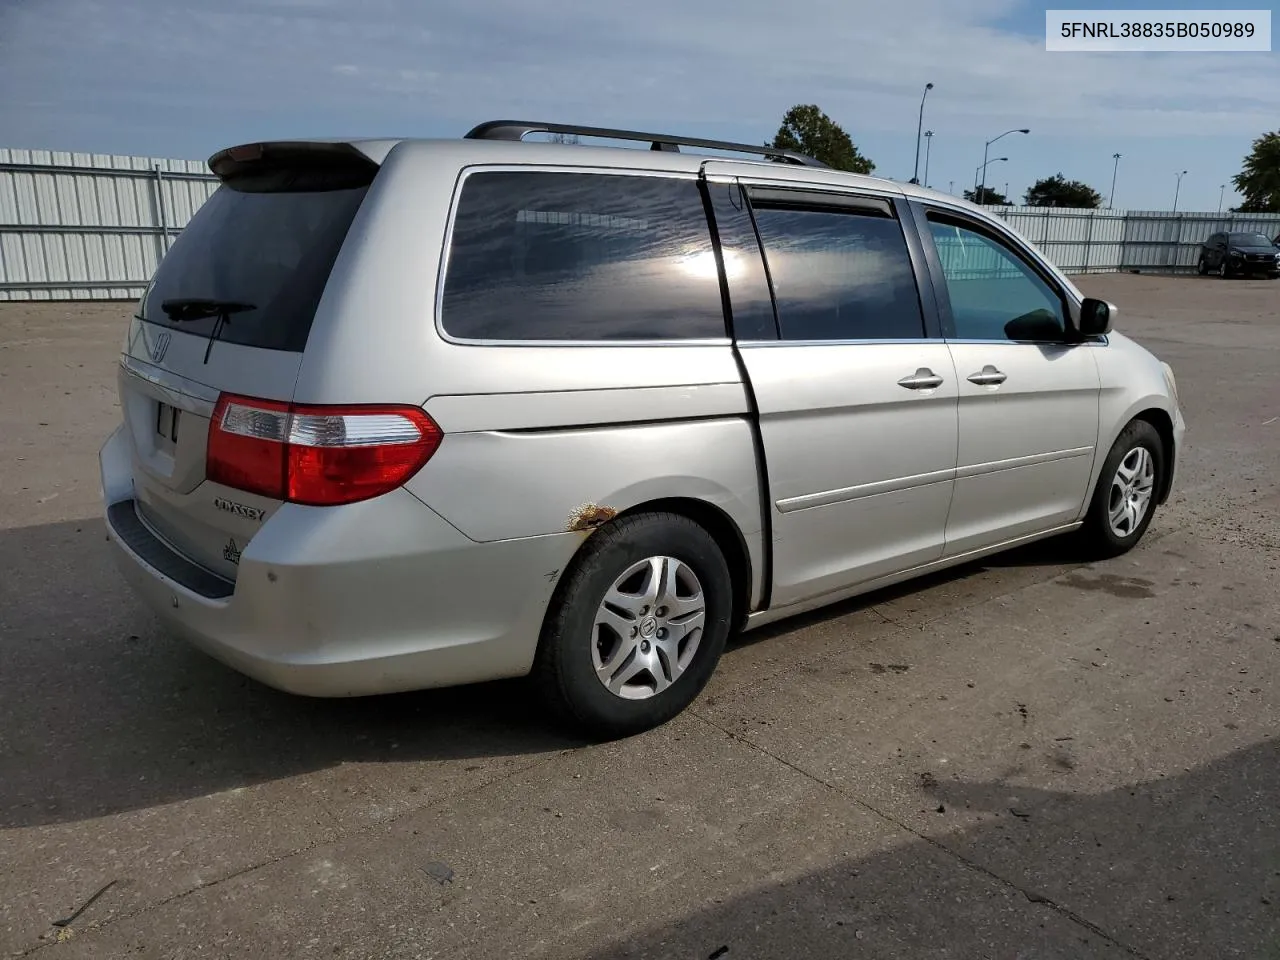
[(316, 455)]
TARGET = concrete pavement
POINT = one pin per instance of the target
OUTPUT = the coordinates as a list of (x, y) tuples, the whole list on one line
[(1029, 757)]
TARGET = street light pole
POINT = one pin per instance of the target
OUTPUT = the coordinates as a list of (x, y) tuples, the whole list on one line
[(1221, 190), (979, 193), (1114, 170), (915, 174), (985, 147), (1177, 190), (928, 145)]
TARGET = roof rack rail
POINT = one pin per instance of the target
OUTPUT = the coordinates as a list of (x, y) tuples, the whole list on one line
[(519, 129)]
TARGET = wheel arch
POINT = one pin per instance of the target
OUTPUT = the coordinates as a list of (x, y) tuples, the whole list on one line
[(1163, 424)]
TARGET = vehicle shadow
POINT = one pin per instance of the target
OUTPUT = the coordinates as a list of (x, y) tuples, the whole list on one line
[(1182, 867), (101, 711)]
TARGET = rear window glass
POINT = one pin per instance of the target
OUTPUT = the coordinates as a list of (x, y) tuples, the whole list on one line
[(271, 252), (574, 256)]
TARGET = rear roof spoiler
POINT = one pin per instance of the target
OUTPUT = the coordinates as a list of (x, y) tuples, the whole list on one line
[(290, 165)]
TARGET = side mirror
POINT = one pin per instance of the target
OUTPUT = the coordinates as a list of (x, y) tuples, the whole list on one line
[(1096, 317)]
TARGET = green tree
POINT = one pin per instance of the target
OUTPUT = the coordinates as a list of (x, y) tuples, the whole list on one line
[(1058, 191), (806, 129), (1259, 181), (990, 197)]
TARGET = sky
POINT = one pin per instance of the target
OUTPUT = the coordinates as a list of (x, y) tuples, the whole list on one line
[(177, 78)]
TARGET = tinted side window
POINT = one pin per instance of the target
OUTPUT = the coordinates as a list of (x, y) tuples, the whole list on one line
[(574, 256), (994, 293), (840, 275), (749, 296)]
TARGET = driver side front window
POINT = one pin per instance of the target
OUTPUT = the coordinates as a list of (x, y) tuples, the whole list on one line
[(994, 294)]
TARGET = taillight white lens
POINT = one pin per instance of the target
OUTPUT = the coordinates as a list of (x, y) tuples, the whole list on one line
[(254, 423), (347, 430), (319, 455)]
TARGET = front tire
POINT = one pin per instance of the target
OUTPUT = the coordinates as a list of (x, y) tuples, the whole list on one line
[(636, 626), (1124, 500), (1224, 269)]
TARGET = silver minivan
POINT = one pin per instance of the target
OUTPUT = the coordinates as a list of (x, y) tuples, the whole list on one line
[(404, 414)]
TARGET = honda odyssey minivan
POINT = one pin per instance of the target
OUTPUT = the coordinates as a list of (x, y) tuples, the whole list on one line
[(401, 414)]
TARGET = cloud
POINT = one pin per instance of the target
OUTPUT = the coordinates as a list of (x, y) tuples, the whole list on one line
[(672, 63)]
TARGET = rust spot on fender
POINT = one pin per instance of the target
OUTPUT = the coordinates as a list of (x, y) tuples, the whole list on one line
[(589, 516)]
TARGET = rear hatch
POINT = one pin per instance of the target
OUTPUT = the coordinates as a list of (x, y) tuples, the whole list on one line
[(229, 311)]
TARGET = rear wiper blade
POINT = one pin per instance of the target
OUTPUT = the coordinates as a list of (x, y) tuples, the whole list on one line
[(186, 309)]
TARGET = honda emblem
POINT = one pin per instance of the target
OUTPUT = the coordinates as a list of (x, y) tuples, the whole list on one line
[(160, 346)]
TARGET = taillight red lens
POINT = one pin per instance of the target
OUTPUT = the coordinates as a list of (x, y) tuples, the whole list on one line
[(317, 455)]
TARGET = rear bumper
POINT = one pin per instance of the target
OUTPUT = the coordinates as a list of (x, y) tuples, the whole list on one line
[(375, 597)]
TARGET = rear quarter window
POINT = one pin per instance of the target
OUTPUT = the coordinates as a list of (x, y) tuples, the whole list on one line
[(545, 255)]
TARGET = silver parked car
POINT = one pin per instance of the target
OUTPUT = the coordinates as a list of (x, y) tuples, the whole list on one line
[(403, 414)]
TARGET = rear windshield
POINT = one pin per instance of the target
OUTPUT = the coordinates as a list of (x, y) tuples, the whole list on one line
[(268, 252)]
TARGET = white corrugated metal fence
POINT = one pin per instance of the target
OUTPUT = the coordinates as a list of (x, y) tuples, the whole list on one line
[(90, 226), (1104, 241), (93, 226)]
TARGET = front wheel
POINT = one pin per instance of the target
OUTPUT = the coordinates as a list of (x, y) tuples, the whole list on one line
[(637, 625), (1224, 269), (1125, 499)]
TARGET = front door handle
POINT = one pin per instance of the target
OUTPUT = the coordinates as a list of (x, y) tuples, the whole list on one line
[(922, 379), (988, 376)]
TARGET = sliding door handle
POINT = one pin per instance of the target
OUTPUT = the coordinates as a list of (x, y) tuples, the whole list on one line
[(922, 379)]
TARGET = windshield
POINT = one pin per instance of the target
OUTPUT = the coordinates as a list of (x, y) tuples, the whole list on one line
[(1249, 240), (268, 254)]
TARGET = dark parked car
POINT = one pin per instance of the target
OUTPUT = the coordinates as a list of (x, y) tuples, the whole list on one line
[(1239, 254)]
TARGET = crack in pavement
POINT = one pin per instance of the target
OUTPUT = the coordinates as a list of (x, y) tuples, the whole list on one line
[(958, 857), (344, 834)]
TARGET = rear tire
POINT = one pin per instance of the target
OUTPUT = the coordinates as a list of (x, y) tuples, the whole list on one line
[(616, 668), (1202, 268), (1124, 500)]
